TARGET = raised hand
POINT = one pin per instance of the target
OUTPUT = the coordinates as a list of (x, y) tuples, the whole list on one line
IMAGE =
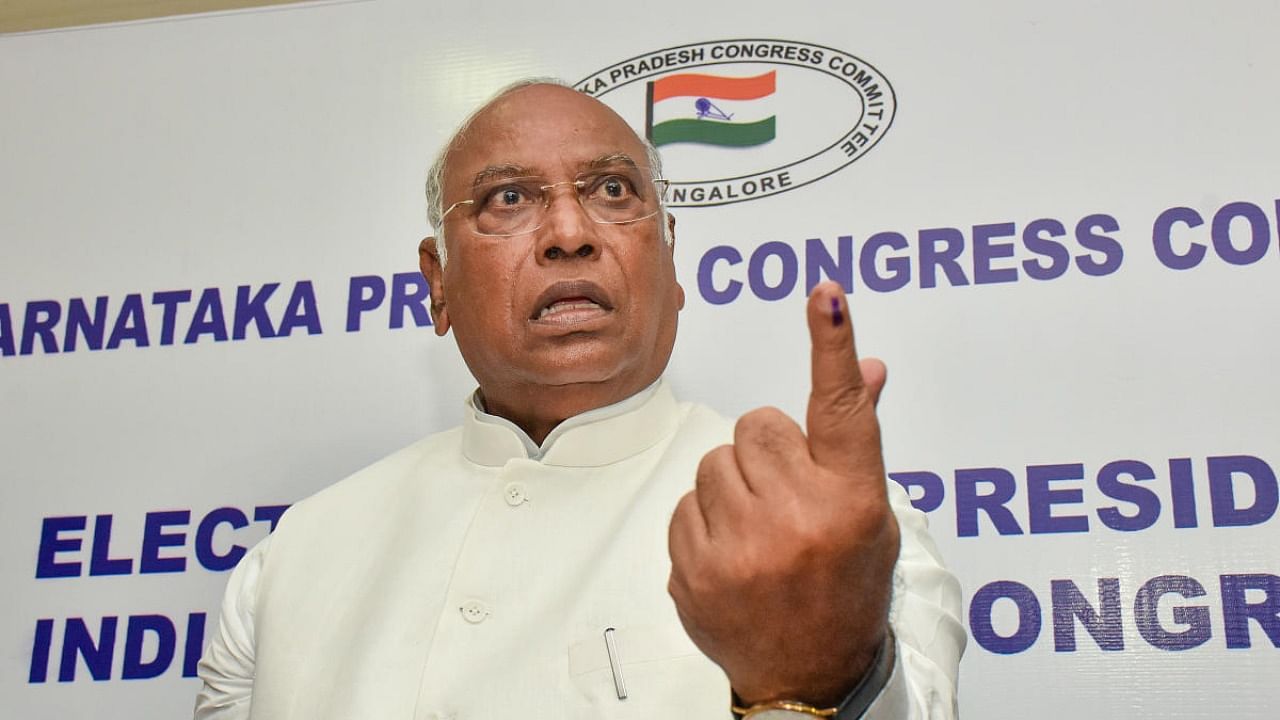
[(782, 555)]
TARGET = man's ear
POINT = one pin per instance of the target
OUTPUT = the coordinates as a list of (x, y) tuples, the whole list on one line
[(429, 262), (671, 236)]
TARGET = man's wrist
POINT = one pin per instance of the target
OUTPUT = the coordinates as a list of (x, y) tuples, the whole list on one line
[(853, 706)]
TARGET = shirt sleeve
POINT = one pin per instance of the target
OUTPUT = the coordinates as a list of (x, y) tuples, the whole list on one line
[(227, 666), (925, 617)]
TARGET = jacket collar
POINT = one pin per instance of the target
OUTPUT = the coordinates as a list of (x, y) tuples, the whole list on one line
[(597, 437)]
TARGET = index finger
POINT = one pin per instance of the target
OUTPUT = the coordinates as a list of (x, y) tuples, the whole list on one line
[(841, 420), (834, 366)]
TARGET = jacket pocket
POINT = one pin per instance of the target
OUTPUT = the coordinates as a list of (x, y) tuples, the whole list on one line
[(661, 671)]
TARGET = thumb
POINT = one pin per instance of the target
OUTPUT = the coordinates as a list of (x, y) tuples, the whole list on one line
[(874, 375)]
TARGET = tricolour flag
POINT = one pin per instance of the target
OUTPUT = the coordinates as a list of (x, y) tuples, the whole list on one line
[(704, 121)]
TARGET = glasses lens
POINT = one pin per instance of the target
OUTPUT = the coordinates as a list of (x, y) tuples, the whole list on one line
[(509, 206), (618, 195)]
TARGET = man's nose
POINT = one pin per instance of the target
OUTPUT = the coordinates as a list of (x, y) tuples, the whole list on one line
[(566, 232)]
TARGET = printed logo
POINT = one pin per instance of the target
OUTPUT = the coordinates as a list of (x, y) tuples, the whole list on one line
[(754, 117), (710, 124)]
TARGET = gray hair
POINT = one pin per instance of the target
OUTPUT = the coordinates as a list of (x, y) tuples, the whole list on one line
[(435, 175)]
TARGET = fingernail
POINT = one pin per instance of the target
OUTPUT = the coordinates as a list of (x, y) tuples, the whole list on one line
[(837, 317)]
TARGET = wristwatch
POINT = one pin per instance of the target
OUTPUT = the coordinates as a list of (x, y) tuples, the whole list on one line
[(853, 706), (782, 710)]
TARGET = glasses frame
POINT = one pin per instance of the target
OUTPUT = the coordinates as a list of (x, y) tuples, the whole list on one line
[(662, 184)]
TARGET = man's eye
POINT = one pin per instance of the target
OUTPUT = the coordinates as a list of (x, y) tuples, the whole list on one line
[(508, 196), (613, 188)]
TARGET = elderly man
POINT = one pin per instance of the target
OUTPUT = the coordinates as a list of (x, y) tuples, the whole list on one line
[(585, 546)]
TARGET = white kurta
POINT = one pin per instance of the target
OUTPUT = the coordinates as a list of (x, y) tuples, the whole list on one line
[(461, 579)]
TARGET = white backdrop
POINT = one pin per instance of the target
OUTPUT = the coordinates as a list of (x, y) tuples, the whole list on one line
[(146, 163)]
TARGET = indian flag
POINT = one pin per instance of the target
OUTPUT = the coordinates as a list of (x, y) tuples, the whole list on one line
[(709, 109)]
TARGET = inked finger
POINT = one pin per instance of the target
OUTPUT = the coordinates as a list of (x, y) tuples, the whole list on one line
[(834, 360), (841, 412)]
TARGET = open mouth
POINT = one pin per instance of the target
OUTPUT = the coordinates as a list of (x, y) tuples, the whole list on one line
[(568, 305), (571, 300)]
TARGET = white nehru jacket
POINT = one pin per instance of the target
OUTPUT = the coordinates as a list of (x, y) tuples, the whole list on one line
[(472, 576)]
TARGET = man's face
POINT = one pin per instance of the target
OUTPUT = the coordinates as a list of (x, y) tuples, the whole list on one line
[(575, 301)]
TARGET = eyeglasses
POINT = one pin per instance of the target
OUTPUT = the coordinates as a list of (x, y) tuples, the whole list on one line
[(517, 205)]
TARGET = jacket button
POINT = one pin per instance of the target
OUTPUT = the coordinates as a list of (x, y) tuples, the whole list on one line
[(515, 494), (474, 611)]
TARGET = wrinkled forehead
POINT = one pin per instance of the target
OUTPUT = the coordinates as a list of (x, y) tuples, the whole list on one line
[(542, 130)]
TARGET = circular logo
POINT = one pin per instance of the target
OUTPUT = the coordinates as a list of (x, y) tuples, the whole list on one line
[(755, 117)]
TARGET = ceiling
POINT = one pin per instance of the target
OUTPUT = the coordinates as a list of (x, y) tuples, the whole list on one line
[(29, 15)]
